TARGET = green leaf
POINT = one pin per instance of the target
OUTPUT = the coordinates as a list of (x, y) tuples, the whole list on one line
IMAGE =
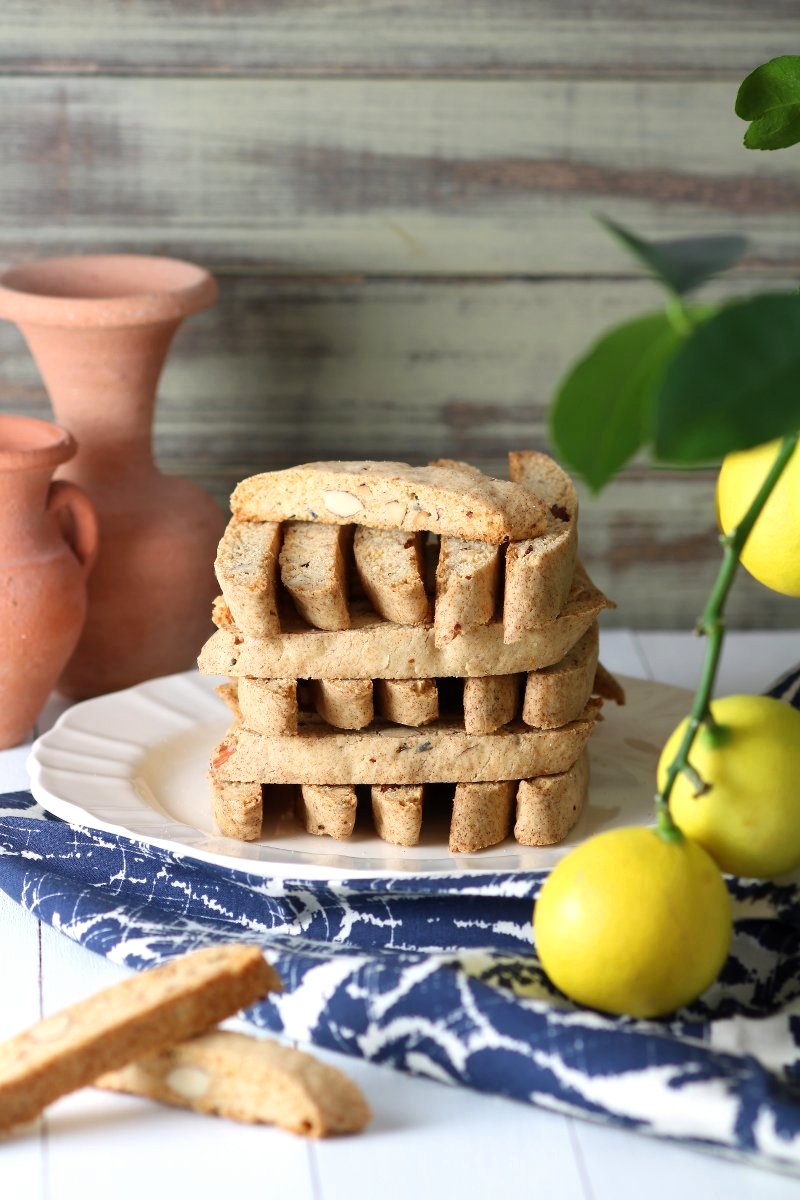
[(770, 98), (733, 384), (602, 411), (681, 264)]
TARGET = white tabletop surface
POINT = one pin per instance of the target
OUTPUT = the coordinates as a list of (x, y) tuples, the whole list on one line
[(427, 1139)]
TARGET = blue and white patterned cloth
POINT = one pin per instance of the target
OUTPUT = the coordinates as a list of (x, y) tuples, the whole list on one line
[(440, 978)]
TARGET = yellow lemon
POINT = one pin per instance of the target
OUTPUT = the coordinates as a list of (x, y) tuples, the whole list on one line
[(749, 819), (630, 923), (772, 551)]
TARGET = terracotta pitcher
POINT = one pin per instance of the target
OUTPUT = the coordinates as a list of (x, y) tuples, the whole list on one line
[(99, 328), (48, 541)]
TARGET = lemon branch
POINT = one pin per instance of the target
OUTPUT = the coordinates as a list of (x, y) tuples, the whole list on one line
[(712, 625)]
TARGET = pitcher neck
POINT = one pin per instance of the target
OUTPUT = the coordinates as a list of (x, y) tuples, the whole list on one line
[(23, 501), (102, 383)]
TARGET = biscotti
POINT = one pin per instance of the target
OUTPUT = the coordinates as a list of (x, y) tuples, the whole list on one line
[(314, 572), (246, 566), (141, 1015), (397, 812), (387, 495), (390, 566), (549, 807), (327, 811), (442, 752), (554, 694), (539, 571), (435, 630), (237, 809), (467, 581), (482, 815), (247, 1079), (376, 649), (411, 573)]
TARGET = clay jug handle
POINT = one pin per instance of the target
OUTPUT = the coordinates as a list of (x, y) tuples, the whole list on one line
[(84, 534)]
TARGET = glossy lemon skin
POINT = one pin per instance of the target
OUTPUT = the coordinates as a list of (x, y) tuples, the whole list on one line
[(749, 820), (772, 552), (631, 924)]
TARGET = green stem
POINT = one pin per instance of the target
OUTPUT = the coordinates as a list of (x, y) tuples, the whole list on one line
[(678, 315), (712, 624)]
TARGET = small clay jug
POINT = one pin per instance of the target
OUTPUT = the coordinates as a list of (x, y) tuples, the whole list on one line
[(99, 328), (48, 542)]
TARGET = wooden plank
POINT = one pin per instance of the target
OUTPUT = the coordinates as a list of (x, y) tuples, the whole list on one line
[(23, 1151), (297, 370), (385, 36), (328, 176)]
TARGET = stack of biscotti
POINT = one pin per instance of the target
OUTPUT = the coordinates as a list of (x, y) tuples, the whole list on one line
[(391, 628)]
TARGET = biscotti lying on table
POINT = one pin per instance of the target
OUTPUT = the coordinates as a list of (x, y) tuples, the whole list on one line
[(154, 1035), (387, 629)]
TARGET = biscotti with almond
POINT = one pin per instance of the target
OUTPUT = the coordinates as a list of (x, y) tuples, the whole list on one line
[(138, 1016), (376, 649), (247, 1079), (442, 752), (447, 500)]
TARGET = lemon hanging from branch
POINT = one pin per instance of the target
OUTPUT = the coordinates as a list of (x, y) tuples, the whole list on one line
[(772, 551), (747, 812)]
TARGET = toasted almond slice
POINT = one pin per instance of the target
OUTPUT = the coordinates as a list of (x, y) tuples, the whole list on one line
[(397, 813), (549, 807), (237, 808), (490, 701), (143, 1014), (389, 564), (466, 587), (345, 703), (314, 573), (388, 495), (539, 570), (555, 695), (246, 567), (327, 811), (247, 1079), (407, 701), (482, 814)]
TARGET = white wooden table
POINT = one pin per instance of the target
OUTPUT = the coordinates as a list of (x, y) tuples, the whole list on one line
[(427, 1140)]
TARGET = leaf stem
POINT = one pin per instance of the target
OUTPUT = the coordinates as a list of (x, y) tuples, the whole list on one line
[(712, 625), (678, 315)]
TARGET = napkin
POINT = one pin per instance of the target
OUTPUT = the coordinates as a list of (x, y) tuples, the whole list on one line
[(439, 977)]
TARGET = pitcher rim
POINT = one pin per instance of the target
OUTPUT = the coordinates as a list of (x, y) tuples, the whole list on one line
[(53, 446)]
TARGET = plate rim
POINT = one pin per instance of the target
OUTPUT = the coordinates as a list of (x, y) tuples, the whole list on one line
[(264, 868)]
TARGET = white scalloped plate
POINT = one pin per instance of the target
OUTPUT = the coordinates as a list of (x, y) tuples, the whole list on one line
[(135, 763)]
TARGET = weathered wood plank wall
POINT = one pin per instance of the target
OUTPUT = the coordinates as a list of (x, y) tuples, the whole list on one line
[(397, 199)]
